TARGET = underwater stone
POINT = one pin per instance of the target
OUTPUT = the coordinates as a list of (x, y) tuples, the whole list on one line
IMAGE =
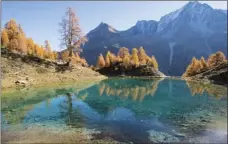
[(161, 137)]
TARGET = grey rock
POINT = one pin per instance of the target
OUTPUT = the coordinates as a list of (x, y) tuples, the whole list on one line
[(160, 137)]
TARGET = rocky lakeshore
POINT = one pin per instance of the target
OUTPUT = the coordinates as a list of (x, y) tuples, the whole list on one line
[(119, 69), (30, 71), (216, 75)]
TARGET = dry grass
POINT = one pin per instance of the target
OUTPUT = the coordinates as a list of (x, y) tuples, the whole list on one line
[(39, 75)]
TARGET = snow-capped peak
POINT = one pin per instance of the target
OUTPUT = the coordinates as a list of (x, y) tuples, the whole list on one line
[(195, 10), (167, 19)]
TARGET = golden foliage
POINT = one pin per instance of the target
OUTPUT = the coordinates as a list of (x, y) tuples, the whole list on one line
[(101, 61), (123, 52), (154, 62), (197, 88), (136, 58), (135, 92), (107, 59), (4, 38), (203, 64), (198, 66), (14, 38), (216, 59), (71, 34)]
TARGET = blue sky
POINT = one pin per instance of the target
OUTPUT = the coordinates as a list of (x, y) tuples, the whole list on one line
[(40, 19)]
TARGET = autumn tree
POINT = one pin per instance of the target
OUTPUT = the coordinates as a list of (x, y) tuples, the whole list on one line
[(123, 52), (113, 58), (22, 47), (4, 38), (55, 55), (142, 56), (126, 60), (101, 61), (71, 34), (13, 44), (154, 62), (12, 29), (193, 67), (12, 32), (48, 52), (216, 59), (107, 59), (30, 46), (134, 56), (203, 63)]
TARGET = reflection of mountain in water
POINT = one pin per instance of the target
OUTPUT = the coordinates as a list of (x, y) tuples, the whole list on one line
[(123, 109)]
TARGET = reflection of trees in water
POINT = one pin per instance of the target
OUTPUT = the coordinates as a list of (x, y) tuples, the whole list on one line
[(70, 114), (137, 90), (17, 104), (212, 90)]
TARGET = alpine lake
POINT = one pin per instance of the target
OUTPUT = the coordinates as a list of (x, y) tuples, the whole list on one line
[(117, 110)]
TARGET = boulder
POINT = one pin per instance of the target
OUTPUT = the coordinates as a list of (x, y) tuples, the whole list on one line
[(21, 82)]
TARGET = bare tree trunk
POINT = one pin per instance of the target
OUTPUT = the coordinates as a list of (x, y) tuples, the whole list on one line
[(69, 56)]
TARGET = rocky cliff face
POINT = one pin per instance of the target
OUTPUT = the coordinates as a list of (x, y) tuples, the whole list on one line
[(194, 30)]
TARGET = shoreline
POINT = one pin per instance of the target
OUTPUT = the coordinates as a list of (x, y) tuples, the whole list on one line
[(82, 81), (79, 83)]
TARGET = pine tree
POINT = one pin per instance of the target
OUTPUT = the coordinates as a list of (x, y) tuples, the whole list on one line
[(126, 60), (216, 59), (197, 66), (203, 63), (107, 59), (154, 62), (101, 61), (142, 55), (135, 58), (112, 58), (13, 44), (22, 47), (123, 52), (12, 32), (30, 46), (12, 29), (4, 38)]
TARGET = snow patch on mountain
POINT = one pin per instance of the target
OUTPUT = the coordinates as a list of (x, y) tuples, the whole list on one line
[(165, 20)]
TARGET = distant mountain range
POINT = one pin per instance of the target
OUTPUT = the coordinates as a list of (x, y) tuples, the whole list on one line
[(194, 30)]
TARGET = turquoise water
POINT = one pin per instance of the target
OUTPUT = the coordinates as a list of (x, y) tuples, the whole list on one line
[(125, 110)]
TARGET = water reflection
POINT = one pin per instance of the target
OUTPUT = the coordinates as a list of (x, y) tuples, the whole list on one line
[(137, 90), (120, 108), (197, 88)]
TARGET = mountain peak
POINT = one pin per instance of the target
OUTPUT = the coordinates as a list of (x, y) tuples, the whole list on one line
[(105, 27), (192, 4), (196, 5)]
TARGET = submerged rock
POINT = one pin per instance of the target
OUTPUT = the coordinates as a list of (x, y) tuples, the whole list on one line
[(161, 137)]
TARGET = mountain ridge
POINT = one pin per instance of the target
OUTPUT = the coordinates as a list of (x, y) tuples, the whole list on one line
[(195, 30)]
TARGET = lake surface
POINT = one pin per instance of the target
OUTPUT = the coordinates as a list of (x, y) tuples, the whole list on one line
[(118, 110)]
